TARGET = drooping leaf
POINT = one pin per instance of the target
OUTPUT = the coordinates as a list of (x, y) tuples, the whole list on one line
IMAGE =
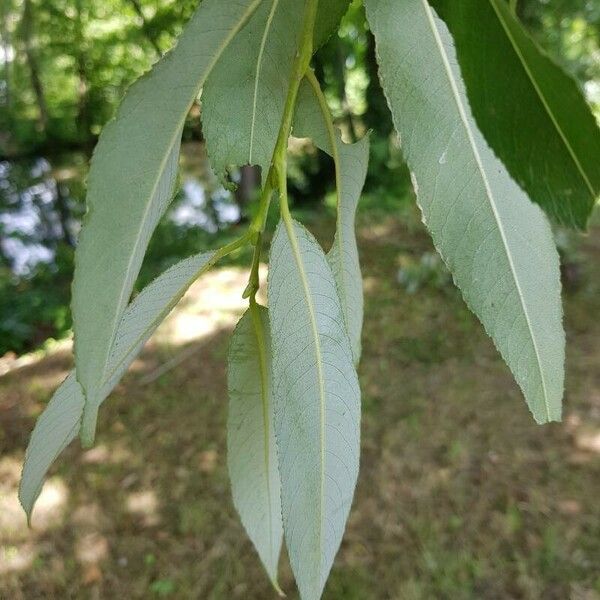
[(497, 244), (317, 405), (351, 170), (532, 114), (251, 453), (130, 184), (148, 310), (54, 430), (60, 422), (343, 256), (244, 96)]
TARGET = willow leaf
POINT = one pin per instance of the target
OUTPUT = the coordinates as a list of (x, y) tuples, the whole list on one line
[(244, 97), (54, 430), (130, 184), (497, 244), (343, 256), (251, 453), (317, 405), (352, 160), (531, 112), (60, 422)]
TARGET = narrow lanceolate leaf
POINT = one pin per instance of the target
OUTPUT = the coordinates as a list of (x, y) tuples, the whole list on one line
[(251, 453), (343, 256), (130, 184), (532, 114), (497, 244), (60, 422), (352, 161), (54, 430), (317, 405), (244, 97)]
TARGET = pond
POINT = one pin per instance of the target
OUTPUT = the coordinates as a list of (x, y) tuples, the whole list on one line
[(42, 201)]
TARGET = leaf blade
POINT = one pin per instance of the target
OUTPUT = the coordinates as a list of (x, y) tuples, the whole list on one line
[(251, 81), (497, 245), (317, 405), (130, 184), (352, 161), (54, 430), (60, 421), (251, 453)]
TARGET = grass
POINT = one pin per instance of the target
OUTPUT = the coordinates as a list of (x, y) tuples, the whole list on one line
[(460, 494)]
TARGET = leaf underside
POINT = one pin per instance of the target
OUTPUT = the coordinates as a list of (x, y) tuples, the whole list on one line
[(498, 246), (60, 422), (317, 405), (244, 96), (353, 163), (130, 184), (251, 454)]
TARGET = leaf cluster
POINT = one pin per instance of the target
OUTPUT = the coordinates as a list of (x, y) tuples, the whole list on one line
[(465, 106)]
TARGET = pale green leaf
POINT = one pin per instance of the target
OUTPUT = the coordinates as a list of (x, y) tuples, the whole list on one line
[(496, 243), (353, 162), (317, 405), (148, 310), (244, 96), (54, 430), (60, 422), (130, 184), (343, 256), (251, 453)]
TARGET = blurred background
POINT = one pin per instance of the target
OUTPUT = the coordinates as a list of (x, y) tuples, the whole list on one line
[(460, 494)]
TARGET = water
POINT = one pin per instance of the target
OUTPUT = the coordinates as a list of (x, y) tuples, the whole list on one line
[(42, 203)]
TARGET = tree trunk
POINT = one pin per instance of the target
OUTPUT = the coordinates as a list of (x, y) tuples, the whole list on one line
[(34, 71), (6, 48), (83, 112), (246, 188)]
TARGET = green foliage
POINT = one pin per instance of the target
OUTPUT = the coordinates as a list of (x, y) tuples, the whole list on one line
[(294, 397)]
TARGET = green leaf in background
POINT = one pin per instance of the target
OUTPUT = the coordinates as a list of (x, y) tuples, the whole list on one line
[(60, 422), (352, 161), (130, 184), (317, 405), (496, 243), (244, 96), (532, 113), (251, 452), (329, 15)]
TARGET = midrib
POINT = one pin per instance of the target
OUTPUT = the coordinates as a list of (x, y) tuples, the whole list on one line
[(542, 98), (321, 380), (259, 62)]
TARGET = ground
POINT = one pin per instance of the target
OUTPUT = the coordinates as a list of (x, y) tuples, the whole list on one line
[(460, 494)]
